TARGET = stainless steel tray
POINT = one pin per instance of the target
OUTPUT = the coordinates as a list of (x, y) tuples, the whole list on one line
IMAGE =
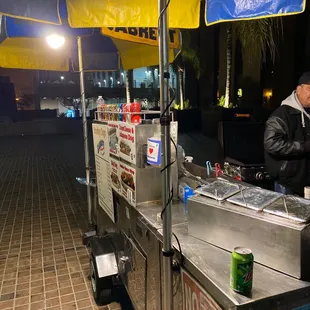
[(219, 189), (291, 207), (254, 198)]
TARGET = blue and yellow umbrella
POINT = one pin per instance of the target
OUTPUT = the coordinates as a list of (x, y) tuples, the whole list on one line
[(137, 13), (23, 45)]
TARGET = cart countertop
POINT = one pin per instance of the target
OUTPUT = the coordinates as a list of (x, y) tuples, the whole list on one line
[(210, 265)]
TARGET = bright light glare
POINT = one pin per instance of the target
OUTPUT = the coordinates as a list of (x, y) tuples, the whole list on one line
[(55, 41)]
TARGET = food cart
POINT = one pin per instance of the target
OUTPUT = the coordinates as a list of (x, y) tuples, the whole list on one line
[(187, 15), (224, 213)]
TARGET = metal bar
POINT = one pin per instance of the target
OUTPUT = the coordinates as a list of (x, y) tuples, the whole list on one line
[(163, 29), (85, 130)]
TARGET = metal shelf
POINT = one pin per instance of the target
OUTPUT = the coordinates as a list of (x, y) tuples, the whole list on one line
[(144, 113)]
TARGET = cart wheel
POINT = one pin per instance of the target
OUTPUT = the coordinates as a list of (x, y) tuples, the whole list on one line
[(101, 287)]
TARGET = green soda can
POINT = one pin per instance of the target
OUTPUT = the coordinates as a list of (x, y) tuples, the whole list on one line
[(241, 270)]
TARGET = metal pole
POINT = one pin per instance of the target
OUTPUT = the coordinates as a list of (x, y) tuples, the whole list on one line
[(85, 130), (166, 153)]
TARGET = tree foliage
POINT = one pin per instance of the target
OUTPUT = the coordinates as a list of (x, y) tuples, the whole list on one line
[(188, 55), (259, 37)]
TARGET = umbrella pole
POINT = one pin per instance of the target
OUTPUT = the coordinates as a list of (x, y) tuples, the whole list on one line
[(166, 153), (85, 130)]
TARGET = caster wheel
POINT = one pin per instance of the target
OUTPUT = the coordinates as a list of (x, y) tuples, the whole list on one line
[(101, 287)]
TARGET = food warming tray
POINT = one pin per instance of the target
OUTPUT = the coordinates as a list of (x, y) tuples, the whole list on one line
[(219, 189), (291, 207), (254, 198)]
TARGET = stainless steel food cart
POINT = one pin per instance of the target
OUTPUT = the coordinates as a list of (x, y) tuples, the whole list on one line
[(128, 246)]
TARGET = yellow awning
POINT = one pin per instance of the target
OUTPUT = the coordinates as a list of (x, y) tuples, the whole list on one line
[(133, 13), (142, 35), (134, 55), (33, 53)]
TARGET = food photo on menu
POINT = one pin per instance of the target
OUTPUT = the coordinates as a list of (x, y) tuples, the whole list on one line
[(128, 183), (113, 140), (115, 180), (125, 148)]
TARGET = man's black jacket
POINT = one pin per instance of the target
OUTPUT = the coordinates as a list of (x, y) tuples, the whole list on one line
[(286, 149)]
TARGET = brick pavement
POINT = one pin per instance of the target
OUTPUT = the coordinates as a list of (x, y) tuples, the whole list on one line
[(43, 213)]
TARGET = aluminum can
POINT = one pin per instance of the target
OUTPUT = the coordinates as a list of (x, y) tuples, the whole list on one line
[(241, 270)]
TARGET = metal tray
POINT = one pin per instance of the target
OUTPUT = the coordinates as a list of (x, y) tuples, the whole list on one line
[(292, 208), (254, 198), (219, 189)]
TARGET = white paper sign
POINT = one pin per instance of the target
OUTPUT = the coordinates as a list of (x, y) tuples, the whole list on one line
[(153, 152), (101, 140), (102, 160), (127, 141)]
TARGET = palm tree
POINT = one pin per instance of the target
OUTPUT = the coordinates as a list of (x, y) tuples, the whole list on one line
[(190, 56), (129, 82), (228, 66), (258, 39)]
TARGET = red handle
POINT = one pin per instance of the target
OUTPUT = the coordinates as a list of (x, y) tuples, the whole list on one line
[(218, 170)]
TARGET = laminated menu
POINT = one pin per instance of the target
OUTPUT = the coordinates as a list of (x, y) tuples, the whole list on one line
[(113, 133), (127, 142), (101, 140), (102, 160), (115, 174), (128, 183)]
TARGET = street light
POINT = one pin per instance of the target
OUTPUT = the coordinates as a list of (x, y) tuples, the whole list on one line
[(62, 77), (55, 41)]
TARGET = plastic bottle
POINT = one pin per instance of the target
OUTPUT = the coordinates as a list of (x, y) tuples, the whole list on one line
[(100, 108), (185, 192)]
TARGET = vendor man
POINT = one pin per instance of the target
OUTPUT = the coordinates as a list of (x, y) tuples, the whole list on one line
[(287, 141)]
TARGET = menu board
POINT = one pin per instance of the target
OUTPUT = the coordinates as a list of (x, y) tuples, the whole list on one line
[(115, 175), (128, 183), (113, 133), (102, 160), (127, 148)]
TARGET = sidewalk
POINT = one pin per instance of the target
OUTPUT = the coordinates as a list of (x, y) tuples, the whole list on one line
[(43, 213)]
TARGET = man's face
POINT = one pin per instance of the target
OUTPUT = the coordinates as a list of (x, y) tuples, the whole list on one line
[(303, 94)]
